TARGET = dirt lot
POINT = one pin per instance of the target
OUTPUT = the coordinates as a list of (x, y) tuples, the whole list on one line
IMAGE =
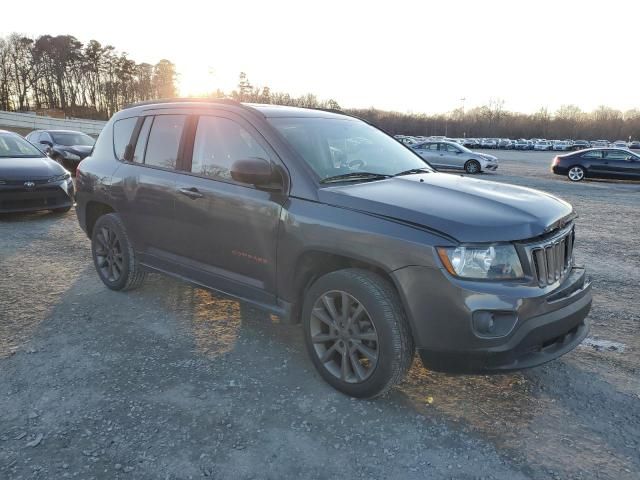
[(172, 381)]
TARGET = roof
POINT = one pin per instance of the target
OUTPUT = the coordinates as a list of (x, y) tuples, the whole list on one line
[(286, 111), (56, 130), (266, 110)]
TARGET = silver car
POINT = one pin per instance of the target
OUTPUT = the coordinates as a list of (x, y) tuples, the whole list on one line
[(450, 155)]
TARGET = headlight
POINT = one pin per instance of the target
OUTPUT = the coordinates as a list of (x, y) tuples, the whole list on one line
[(70, 156), (59, 178), (490, 263)]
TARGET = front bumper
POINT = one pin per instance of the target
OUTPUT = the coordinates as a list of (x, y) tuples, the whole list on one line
[(15, 197), (548, 322), (492, 167)]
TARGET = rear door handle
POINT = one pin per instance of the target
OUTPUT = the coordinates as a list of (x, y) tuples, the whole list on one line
[(191, 192)]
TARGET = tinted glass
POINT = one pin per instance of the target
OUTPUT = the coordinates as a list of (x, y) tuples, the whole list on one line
[(141, 144), (15, 146), (72, 138), (336, 146), (219, 142), (122, 130), (164, 141), (431, 146), (592, 154)]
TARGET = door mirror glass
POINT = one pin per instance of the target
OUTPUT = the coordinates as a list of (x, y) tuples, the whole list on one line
[(254, 171)]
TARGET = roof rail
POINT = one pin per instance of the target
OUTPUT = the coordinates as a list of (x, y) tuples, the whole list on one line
[(228, 101)]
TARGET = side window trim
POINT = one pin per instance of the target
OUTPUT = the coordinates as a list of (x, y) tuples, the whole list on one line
[(185, 150), (133, 140)]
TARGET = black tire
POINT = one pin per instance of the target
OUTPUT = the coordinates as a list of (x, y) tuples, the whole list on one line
[(472, 167), (61, 210), (576, 173), (119, 268), (394, 345)]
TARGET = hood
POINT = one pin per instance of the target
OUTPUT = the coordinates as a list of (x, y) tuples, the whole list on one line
[(29, 168), (466, 209), (81, 150), (486, 156)]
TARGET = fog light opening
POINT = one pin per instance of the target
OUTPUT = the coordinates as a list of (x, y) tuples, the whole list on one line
[(488, 323)]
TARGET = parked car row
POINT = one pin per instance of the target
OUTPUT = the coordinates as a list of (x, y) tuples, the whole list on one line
[(523, 143)]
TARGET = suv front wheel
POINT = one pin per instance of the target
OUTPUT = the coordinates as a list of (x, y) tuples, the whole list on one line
[(356, 332)]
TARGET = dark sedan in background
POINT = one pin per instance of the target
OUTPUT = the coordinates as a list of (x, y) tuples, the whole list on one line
[(29, 180), (67, 147), (615, 163)]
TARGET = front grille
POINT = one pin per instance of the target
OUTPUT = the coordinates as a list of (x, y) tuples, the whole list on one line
[(45, 197), (553, 259), (21, 182)]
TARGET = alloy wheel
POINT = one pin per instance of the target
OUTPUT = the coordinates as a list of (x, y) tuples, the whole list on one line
[(108, 251), (472, 167), (576, 174), (344, 337)]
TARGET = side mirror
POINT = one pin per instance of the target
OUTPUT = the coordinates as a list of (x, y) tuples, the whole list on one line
[(254, 170), (47, 143)]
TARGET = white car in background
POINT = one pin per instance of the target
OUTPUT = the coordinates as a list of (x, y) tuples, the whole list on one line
[(561, 145), (620, 144), (543, 145)]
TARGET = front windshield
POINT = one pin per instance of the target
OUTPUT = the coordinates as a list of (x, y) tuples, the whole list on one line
[(333, 146), (14, 146), (72, 138)]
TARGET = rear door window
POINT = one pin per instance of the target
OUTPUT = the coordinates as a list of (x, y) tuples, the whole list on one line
[(592, 154), (164, 141), (122, 131)]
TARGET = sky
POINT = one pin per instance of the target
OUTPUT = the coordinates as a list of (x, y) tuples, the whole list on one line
[(406, 56)]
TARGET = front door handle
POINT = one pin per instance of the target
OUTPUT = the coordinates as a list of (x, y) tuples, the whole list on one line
[(191, 192)]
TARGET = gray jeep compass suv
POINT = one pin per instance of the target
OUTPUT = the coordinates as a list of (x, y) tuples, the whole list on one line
[(323, 219)]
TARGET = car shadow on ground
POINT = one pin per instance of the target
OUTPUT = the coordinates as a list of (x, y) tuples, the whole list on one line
[(560, 402)]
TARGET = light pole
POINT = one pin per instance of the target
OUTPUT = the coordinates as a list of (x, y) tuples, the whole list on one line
[(464, 133)]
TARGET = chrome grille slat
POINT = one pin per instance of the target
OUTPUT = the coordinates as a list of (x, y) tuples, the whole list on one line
[(551, 260)]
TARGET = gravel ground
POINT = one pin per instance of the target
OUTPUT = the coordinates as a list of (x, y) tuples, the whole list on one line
[(172, 381)]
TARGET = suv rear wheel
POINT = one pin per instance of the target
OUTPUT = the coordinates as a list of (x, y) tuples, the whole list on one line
[(113, 255), (356, 332)]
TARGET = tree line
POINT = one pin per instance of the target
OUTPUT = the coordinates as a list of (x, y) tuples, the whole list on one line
[(491, 120), (95, 81), (84, 80)]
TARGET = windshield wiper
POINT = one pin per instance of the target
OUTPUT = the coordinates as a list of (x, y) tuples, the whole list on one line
[(354, 176), (412, 171)]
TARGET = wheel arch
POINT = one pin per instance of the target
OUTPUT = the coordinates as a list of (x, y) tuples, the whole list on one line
[(313, 264), (93, 210)]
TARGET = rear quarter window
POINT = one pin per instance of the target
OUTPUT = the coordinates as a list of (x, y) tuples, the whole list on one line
[(122, 130)]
